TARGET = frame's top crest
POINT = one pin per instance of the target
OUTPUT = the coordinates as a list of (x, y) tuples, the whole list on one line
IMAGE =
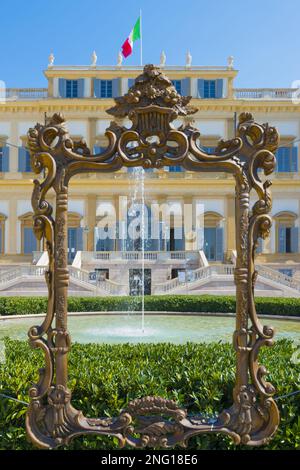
[(152, 88)]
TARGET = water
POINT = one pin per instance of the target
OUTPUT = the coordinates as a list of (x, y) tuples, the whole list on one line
[(138, 206), (177, 329)]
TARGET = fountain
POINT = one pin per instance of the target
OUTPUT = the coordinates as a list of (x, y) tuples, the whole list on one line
[(137, 207)]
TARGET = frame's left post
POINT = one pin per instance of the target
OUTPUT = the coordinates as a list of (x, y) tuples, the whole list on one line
[(61, 283)]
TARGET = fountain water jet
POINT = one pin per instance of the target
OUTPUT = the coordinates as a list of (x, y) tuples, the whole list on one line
[(138, 199)]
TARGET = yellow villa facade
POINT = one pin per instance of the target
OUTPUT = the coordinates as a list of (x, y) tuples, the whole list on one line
[(201, 264)]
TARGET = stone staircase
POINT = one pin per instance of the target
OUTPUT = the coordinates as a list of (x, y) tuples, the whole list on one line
[(207, 279), (28, 280), (219, 279)]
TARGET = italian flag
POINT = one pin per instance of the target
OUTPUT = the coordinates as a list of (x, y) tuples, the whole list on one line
[(134, 35)]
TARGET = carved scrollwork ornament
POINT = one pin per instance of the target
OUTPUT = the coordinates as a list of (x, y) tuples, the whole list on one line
[(152, 104)]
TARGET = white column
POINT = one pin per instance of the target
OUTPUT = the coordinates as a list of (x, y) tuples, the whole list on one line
[(87, 92), (55, 88), (194, 87)]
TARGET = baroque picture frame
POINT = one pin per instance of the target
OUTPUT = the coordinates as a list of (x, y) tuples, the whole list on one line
[(151, 104)]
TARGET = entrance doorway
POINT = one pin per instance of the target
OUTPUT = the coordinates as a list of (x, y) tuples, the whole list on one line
[(213, 243), (75, 242), (136, 281)]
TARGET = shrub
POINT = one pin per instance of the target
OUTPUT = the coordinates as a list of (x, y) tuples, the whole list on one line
[(169, 303), (105, 377)]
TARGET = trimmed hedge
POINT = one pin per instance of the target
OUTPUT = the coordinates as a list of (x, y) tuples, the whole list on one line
[(105, 377), (171, 303)]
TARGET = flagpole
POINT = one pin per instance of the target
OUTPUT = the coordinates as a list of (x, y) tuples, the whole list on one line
[(141, 44)]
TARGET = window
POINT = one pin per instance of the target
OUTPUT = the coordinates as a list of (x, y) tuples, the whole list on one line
[(30, 242), (177, 85), (287, 159), (106, 89), (101, 274), (104, 239), (287, 239), (210, 150), (286, 271), (209, 88), (71, 88), (175, 169)]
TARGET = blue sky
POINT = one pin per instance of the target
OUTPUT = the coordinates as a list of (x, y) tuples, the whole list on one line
[(263, 36)]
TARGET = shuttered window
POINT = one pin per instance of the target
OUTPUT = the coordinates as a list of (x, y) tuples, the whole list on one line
[(210, 150), (210, 88), (175, 169), (71, 88), (287, 159), (106, 88), (288, 239), (104, 239), (75, 242), (30, 242)]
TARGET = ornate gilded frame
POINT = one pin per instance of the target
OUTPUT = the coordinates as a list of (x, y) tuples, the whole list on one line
[(152, 103)]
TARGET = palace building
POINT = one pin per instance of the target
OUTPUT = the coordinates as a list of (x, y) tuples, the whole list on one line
[(173, 264)]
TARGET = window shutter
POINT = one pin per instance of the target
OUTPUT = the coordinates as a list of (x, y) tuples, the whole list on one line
[(80, 85), (294, 239), (115, 87), (130, 82), (219, 244), (294, 159), (62, 87), (5, 159), (22, 159), (1, 251), (97, 88), (281, 239), (200, 88), (219, 88), (185, 87), (27, 161)]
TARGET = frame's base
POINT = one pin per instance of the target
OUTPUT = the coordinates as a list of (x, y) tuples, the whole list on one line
[(149, 422)]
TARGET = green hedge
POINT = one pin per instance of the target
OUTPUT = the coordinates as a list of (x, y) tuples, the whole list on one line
[(105, 377), (172, 303)]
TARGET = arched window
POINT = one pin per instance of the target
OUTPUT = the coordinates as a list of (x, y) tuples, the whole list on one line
[(213, 236), (2, 232), (287, 234), (29, 243)]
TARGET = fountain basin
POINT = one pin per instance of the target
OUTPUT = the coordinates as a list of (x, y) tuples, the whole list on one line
[(177, 328)]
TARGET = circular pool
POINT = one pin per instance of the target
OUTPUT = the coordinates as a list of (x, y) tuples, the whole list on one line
[(179, 328)]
